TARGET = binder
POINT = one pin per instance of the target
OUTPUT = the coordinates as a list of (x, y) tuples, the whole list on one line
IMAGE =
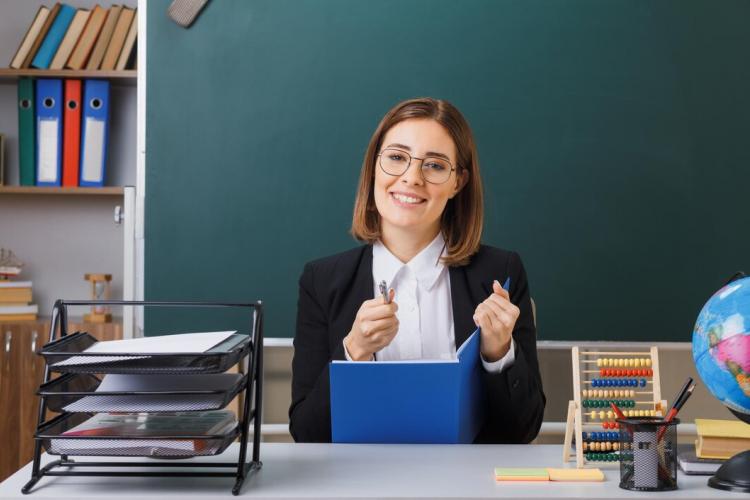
[(94, 132), (409, 401), (26, 132), (71, 133), (49, 105), (51, 42)]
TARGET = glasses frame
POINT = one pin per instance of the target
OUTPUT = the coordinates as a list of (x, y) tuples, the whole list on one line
[(421, 173)]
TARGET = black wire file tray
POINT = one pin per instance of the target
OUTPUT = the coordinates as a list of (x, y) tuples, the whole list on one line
[(84, 392), (174, 445), (67, 355), (160, 405)]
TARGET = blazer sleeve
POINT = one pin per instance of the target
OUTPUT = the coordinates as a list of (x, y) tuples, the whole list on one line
[(515, 397), (310, 412)]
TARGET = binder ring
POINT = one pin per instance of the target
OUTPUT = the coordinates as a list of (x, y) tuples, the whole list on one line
[(25, 103), (96, 103), (49, 102)]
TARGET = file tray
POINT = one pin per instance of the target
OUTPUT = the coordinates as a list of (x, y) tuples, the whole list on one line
[(80, 392), (67, 355), (50, 436)]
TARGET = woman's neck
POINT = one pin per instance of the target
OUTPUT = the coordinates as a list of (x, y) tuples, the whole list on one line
[(405, 244)]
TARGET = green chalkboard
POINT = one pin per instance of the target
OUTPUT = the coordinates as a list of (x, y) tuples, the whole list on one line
[(612, 138)]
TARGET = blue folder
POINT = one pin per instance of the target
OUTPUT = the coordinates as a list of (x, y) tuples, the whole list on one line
[(416, 401), (49, 122), (94, 132)]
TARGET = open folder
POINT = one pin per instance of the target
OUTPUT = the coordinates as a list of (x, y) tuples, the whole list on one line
[(416, 401)]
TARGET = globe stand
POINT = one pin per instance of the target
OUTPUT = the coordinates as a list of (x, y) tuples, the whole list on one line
[(734, 474)]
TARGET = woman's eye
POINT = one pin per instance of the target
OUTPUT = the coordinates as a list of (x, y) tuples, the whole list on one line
[(396, 157), (434, 166)]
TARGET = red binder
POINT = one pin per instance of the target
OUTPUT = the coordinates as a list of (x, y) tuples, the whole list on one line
[(71, 133)]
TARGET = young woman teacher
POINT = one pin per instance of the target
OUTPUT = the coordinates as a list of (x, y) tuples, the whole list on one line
[(419, 210)]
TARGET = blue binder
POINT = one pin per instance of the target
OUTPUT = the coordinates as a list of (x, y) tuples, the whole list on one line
[(409, 401), (94, 132), (49, 109), (54, 37)]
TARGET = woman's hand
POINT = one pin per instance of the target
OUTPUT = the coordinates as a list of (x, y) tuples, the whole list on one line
[(496, 316), (373, 329)]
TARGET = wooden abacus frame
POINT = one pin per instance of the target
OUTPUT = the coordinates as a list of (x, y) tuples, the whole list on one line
[(582, 378)]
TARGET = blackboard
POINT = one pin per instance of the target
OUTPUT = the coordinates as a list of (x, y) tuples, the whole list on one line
[(612, 138)]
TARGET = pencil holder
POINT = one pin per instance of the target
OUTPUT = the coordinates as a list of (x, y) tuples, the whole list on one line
[(648, 454)]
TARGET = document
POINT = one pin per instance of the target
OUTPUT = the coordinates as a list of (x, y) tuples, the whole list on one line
[(420, 401), (164, 344), (189, 385)]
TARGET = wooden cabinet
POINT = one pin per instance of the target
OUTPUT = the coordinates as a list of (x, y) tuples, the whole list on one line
[(21, 372)]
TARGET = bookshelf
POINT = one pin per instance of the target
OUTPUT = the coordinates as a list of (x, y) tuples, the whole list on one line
[(125, 77), (75, 191)]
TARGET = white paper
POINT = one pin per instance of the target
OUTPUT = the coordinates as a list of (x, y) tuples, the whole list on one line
[(93, 151), (165, 344), (48, 149), (143, 403)]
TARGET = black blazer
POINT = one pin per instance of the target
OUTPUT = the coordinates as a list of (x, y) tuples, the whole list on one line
[(331, 291)]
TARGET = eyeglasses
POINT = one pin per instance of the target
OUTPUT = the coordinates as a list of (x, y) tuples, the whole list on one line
[(434, 170)]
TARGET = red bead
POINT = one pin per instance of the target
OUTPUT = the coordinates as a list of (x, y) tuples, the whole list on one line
[(650, 372)]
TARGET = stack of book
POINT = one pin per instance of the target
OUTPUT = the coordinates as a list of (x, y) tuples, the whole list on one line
[(63, 37), (15, 301), (721, 439)]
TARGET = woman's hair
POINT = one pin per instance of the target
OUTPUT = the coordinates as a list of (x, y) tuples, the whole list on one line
[(461, 222)]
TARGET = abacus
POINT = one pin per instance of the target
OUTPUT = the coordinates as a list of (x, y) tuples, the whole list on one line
[(628, 379)]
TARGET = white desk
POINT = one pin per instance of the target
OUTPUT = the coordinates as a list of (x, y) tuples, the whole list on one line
[(361, 471)]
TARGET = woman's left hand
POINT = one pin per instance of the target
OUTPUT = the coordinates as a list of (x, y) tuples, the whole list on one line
[(496, 317)]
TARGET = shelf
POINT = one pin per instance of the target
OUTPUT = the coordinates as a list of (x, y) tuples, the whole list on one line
[(124, 77), (80, 191)]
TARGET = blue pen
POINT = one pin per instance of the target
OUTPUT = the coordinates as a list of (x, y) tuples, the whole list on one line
[(506, 285)]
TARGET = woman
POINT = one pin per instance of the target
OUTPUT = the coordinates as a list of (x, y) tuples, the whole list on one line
[(419, 210)]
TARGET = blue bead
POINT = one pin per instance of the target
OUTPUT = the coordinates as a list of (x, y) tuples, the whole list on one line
[(595, 383), (583, 435), (643, 382)]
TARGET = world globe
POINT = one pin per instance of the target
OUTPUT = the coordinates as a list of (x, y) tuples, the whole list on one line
[(721, 352)]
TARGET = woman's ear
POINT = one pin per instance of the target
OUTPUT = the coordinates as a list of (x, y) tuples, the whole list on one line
[(461, 180)]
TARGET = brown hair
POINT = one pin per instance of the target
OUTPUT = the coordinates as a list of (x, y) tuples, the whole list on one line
[(461, 222)]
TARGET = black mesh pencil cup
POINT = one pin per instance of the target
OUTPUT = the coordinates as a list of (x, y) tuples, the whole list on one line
[(648, 454)]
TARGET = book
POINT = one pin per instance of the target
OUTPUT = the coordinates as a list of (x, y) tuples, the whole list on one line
[(129, 44), (721, 438), (691, 464), (71, 38), (28, 40), (118, 38), (86, 41), (18, 312), (41, 36), (54, 37), (105, 36), (414, 401), (15, 295)]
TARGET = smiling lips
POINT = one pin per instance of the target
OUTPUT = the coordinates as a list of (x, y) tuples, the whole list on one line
[(404, 199)]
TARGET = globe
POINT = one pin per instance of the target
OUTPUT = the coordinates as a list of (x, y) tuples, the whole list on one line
[(721, 352)]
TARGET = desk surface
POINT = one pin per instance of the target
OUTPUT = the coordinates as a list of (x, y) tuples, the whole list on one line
[(361, 471)]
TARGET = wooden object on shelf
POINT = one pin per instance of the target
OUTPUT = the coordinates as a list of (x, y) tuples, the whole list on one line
[(591, 366), (21, 372), (100, 290)]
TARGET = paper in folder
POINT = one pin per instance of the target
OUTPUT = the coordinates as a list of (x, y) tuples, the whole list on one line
[(419, 401)]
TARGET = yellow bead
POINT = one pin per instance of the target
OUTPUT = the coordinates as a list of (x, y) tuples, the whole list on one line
[(648, 362), (639, 362), (631, 362), (601, 415), (610, 415), (616, 445), (585, 446), (599, 362), (632, 393), (600, 393)]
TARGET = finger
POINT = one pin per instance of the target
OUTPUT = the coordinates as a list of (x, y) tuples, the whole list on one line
[(483, 319), (391, 295), (504, 304), (370, 328), (499, 290), (379, 311)]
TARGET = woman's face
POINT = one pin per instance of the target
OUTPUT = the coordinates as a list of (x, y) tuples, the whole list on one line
[(407, 201)]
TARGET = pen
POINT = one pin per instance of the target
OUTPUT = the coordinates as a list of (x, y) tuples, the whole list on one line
[(506, 285), (682, 397), (384, 292)]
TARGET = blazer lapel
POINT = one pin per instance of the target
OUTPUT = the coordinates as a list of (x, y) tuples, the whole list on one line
[(463, 306)]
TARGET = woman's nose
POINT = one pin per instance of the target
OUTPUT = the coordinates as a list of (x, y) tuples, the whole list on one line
[(413, 174)]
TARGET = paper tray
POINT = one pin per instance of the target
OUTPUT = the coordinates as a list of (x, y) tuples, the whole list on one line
[(127, 446), (77, 392), (215, 360)]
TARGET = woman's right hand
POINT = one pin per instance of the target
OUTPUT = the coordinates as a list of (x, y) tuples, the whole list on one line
[(373, 329)]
